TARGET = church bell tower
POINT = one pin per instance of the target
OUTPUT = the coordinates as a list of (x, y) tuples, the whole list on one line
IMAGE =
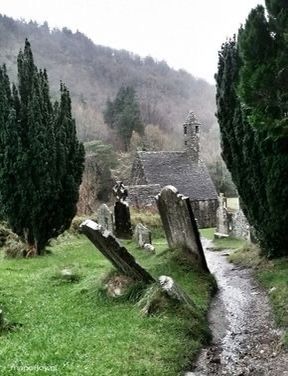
[(192, 137)]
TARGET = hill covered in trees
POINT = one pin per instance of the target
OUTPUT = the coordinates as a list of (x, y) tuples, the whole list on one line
[(95, 73)]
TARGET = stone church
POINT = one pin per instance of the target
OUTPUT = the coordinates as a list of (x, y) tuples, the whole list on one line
[(152, 171)]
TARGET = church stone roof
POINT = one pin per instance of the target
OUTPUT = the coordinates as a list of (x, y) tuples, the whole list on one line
[(176, 168)]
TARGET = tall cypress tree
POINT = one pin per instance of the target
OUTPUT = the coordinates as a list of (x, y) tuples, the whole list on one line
[(43, 161), (123, 115), (8, 149), (252, 119)]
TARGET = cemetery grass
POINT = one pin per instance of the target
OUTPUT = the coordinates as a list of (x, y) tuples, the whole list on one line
[(273, 276), (221, 244), (69, 327)]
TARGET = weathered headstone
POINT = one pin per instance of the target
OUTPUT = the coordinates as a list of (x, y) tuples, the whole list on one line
[(142, 235), (123, 228), (109, 246), (222, 218), (179, 224), (165, 288), (240, 226), (174, 291), (105, 217), (149, 248)]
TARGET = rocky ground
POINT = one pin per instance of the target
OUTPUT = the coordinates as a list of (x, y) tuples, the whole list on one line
[(245, 338)]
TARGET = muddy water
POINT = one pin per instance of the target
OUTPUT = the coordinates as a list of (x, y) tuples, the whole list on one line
[(245, 340)]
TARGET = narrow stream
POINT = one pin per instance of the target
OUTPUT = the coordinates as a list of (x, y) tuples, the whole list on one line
[(245, 340)]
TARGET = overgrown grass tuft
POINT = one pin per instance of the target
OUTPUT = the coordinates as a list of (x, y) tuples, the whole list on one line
[(248, 255), (10, 243), (75, 329)]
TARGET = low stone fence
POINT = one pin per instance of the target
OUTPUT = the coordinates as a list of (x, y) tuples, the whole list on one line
[(143, 196)]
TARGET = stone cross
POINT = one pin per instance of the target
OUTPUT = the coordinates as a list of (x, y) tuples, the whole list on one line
[(180, 225), (120, 191)]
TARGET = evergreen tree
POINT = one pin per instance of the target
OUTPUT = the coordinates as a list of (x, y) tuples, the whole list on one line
[(251, 112), (123, 115), (41, 160)]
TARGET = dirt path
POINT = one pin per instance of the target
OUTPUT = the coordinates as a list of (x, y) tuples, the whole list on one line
[(245, 341)]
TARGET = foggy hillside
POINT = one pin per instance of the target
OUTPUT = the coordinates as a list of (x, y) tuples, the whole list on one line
[(94, 73)]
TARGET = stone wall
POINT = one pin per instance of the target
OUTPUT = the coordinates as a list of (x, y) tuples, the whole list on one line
[(205, 213), (143, 196)]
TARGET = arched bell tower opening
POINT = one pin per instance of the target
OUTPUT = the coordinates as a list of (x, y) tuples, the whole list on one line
[(191, 130)]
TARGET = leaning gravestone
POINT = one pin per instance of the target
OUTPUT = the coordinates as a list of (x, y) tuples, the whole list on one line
[(179, 224), (123, 228), (105, 217), (142, 235), (108, 245)]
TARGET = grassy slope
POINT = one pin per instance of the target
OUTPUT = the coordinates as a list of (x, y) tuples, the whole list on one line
[(272, 274), (74, 330)]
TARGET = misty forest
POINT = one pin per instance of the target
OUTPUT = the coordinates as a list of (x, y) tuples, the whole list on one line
[(143, 211)]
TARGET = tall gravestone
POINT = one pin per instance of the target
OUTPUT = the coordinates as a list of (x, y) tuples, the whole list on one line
[(123, 227), (105, 217), (179, 224)]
